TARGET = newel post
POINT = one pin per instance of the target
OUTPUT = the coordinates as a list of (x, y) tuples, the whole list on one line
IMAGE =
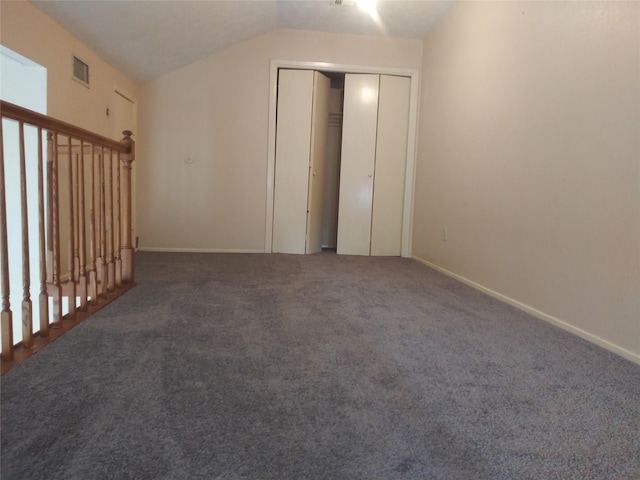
[(126, 249)]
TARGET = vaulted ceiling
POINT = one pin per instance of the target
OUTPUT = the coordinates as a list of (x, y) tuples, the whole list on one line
[(146, 39)]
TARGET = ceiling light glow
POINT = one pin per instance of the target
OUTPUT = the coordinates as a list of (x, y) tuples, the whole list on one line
[(368, 6)]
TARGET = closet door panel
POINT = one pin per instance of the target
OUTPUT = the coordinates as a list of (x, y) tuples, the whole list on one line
[(319, 129), (293, 137), (391, 154), (359, 122)]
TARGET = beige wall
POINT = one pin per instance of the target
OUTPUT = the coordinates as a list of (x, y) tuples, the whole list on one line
[(529, 155), (216, 111), (28, 31)]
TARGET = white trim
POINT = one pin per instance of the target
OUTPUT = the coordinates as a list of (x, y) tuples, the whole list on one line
[(410, 167), (601, 342), (197, 250), (412, 73), (27, 62)]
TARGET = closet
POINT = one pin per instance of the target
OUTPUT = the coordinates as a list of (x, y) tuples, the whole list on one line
[(371, 168)]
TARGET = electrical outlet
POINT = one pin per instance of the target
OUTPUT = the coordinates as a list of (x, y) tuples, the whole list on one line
[(444, 234)]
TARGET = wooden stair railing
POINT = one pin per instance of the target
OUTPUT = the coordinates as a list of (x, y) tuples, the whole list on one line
[(81, 184)]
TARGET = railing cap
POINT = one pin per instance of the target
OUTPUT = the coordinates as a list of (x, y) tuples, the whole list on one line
[(20, 114)]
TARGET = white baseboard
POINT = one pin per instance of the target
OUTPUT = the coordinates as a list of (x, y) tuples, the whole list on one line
[(633, 357), (196, 250)]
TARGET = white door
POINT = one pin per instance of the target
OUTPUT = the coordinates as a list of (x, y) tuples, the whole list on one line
[(319, 129), (359, 125), (123, 115), (391, 154), (293, 139)]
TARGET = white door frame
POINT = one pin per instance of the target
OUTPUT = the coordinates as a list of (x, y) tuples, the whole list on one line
[(414, 74)]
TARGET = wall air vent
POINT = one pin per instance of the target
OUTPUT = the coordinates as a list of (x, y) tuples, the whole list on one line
[(80, 71)]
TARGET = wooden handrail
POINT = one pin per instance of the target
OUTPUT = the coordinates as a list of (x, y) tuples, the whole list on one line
[(84, 254), (15, 112)]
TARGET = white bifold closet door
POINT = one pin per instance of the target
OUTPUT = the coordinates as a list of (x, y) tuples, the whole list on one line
[(390, 172), (303, 99), (359, 125), (372, 173)]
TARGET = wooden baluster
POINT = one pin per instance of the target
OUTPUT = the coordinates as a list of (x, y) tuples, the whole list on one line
[(126, 248), (118, 227), (6, 316), (111, 265), (82, 240), (49, 217), (74, 208), (93, 280), (54, 194), (71, 282), (27, 308), (102, 265), (43, 298)]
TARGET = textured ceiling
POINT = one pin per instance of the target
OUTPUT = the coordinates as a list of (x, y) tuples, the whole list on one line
[(146, 39)]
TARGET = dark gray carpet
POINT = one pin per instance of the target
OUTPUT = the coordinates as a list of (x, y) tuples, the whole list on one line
[(316, 367)]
